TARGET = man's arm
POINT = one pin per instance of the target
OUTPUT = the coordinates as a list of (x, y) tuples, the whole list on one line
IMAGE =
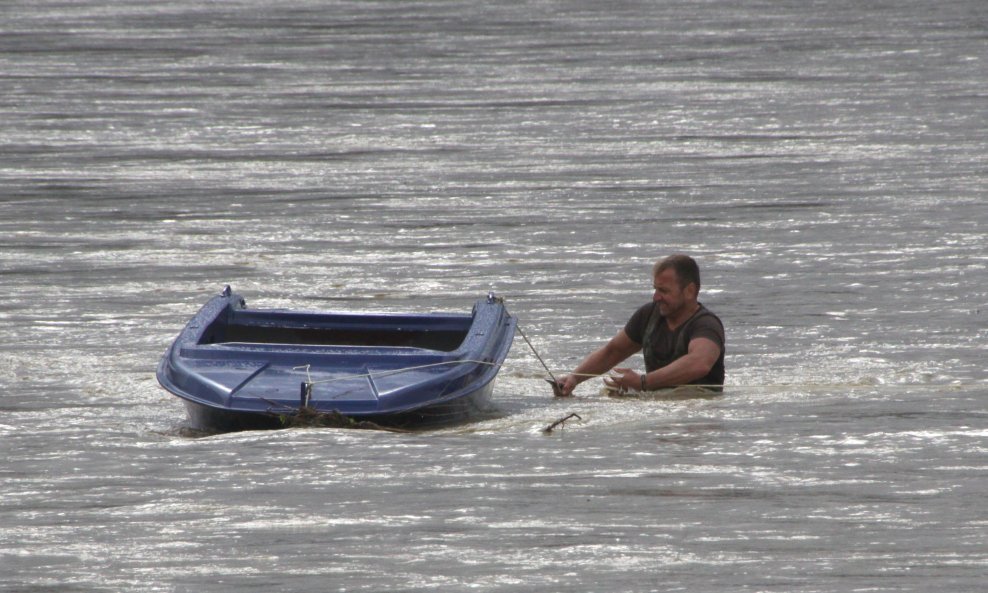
[(600, 361), (700, 357)]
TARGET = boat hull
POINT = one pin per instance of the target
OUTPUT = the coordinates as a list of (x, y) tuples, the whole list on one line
[(244, 369), (469, 408)]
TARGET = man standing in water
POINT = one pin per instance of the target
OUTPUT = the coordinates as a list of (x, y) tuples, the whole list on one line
[(682, 341)]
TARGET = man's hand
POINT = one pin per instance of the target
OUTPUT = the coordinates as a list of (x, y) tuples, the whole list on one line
[(565, 386), (624, 380)]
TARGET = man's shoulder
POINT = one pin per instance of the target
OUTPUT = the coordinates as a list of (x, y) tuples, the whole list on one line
[(706, 313), (635, 328), (646, 309), (643, 314), (706, 323)]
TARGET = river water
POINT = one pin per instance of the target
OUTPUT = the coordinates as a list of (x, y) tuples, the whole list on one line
[(825, 162)]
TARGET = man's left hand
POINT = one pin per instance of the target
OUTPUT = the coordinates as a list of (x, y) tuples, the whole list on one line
[(624, 379)]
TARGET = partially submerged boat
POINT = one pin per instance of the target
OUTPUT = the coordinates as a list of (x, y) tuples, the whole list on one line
[(238, 368)]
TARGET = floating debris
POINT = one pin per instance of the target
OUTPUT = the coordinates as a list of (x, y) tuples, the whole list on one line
[(560, 422), (307, 417)]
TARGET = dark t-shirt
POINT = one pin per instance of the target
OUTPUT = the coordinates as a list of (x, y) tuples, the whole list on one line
[(667, 345)]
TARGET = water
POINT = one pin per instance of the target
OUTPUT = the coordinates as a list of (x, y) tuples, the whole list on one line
[(824, 162)]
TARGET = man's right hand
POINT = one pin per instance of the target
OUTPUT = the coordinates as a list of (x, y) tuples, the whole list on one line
[(565, 385)]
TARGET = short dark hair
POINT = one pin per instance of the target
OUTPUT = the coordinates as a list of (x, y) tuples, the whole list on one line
[(685, 267)]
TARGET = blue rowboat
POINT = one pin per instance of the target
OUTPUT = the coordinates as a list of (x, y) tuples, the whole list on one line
[(239, 369)]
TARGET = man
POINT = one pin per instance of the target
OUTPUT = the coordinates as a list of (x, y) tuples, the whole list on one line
[(682, 341)]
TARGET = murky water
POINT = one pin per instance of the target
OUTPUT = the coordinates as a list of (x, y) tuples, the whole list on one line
[(824, 162)]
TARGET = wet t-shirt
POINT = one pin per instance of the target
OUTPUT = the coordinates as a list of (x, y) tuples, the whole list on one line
[(667, 345)]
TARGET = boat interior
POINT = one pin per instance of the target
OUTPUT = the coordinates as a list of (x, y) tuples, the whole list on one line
[(444, 333)]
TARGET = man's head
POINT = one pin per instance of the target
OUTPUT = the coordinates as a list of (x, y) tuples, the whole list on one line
[(676, 280), (684, 266)]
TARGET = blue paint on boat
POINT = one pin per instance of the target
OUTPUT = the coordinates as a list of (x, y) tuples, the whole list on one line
[(238, 368)]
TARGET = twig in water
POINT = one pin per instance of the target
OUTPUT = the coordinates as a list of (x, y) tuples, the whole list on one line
[(549, 429)]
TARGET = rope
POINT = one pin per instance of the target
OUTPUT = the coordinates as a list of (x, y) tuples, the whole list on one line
[(536, 353), (601, 376), (308, 377), (392, 371), (726, 386), (556, 385)]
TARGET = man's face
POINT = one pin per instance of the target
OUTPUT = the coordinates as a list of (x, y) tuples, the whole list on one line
[(668, 294)]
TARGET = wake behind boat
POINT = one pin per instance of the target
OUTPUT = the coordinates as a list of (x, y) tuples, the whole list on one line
[(238, 368)]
